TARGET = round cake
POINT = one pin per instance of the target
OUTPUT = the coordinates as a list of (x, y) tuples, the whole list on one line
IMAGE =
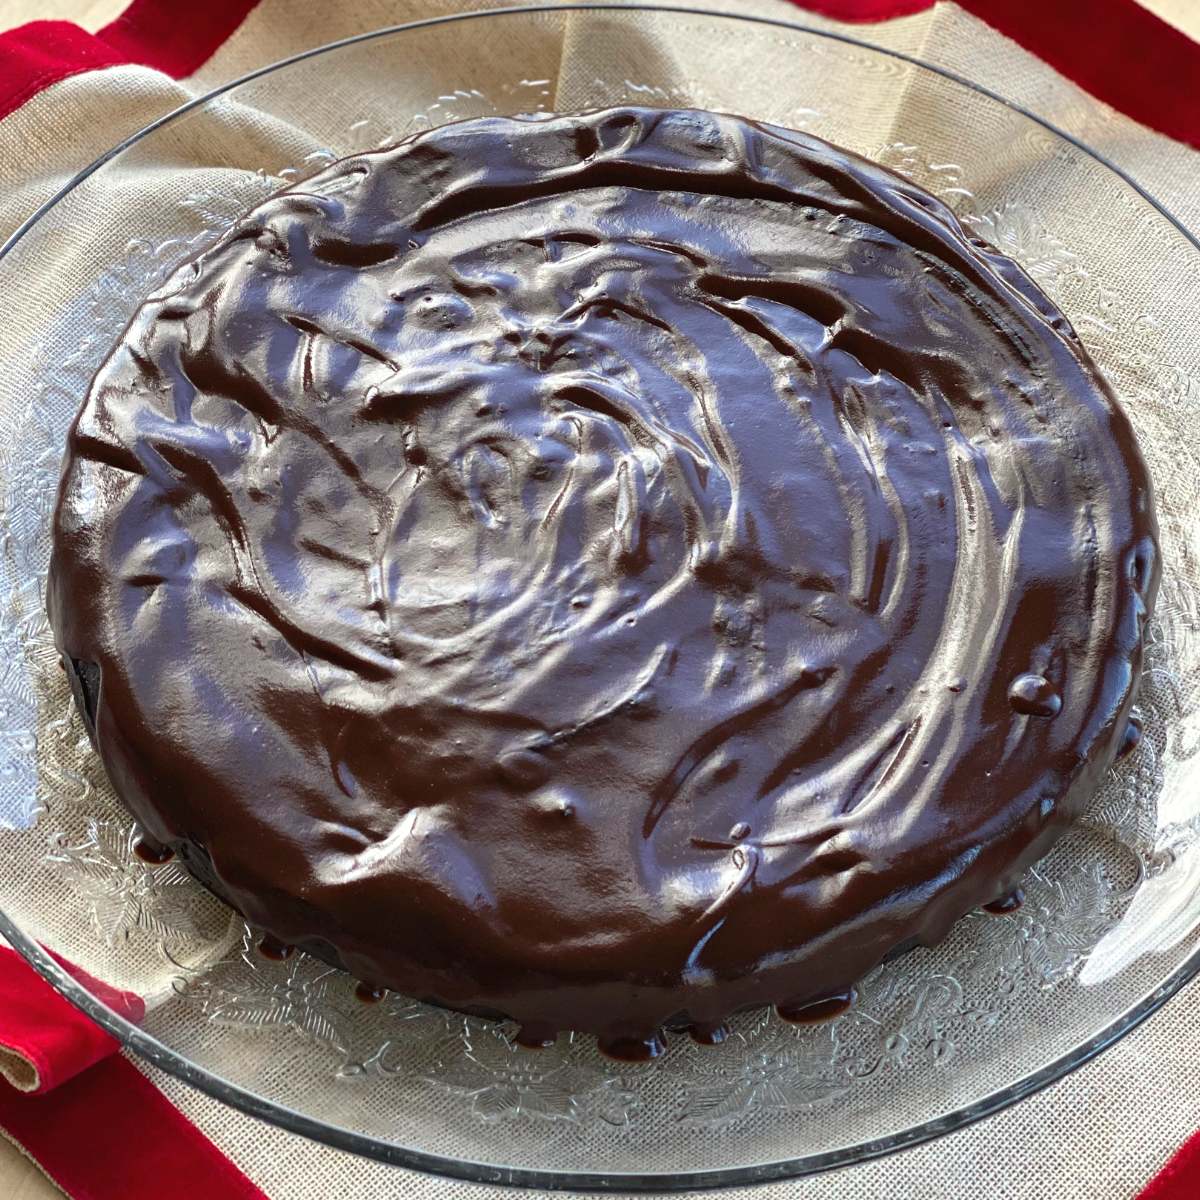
[(607, 570)]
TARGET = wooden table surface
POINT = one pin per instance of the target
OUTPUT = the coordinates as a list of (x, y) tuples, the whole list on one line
[(19, 1178)]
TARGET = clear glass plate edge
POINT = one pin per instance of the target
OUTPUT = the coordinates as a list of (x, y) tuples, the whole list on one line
[(255, 1105)]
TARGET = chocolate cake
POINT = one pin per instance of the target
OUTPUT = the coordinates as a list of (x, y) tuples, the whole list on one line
[(608, 570)]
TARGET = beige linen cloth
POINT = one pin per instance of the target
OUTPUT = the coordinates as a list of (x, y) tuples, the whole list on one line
[(1101, 1132)]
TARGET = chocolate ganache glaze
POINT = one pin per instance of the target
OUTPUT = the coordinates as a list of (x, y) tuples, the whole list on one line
[(609, 570)]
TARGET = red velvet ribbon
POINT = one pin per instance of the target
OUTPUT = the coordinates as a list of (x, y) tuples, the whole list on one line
[(1115, 49), (92, 1121), (1180, 1178)]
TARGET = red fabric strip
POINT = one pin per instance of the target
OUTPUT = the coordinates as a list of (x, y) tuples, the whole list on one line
[(1117, 50), (48, 1031), (1180, 1178), (97, 1126), (110, 1134), (865, 10), (1087, 40), (173, 37)]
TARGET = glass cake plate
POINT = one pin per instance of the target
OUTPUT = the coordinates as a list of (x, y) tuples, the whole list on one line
[(1110, 924)]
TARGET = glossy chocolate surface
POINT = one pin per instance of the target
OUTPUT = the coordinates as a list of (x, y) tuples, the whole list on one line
[(608, 570)]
